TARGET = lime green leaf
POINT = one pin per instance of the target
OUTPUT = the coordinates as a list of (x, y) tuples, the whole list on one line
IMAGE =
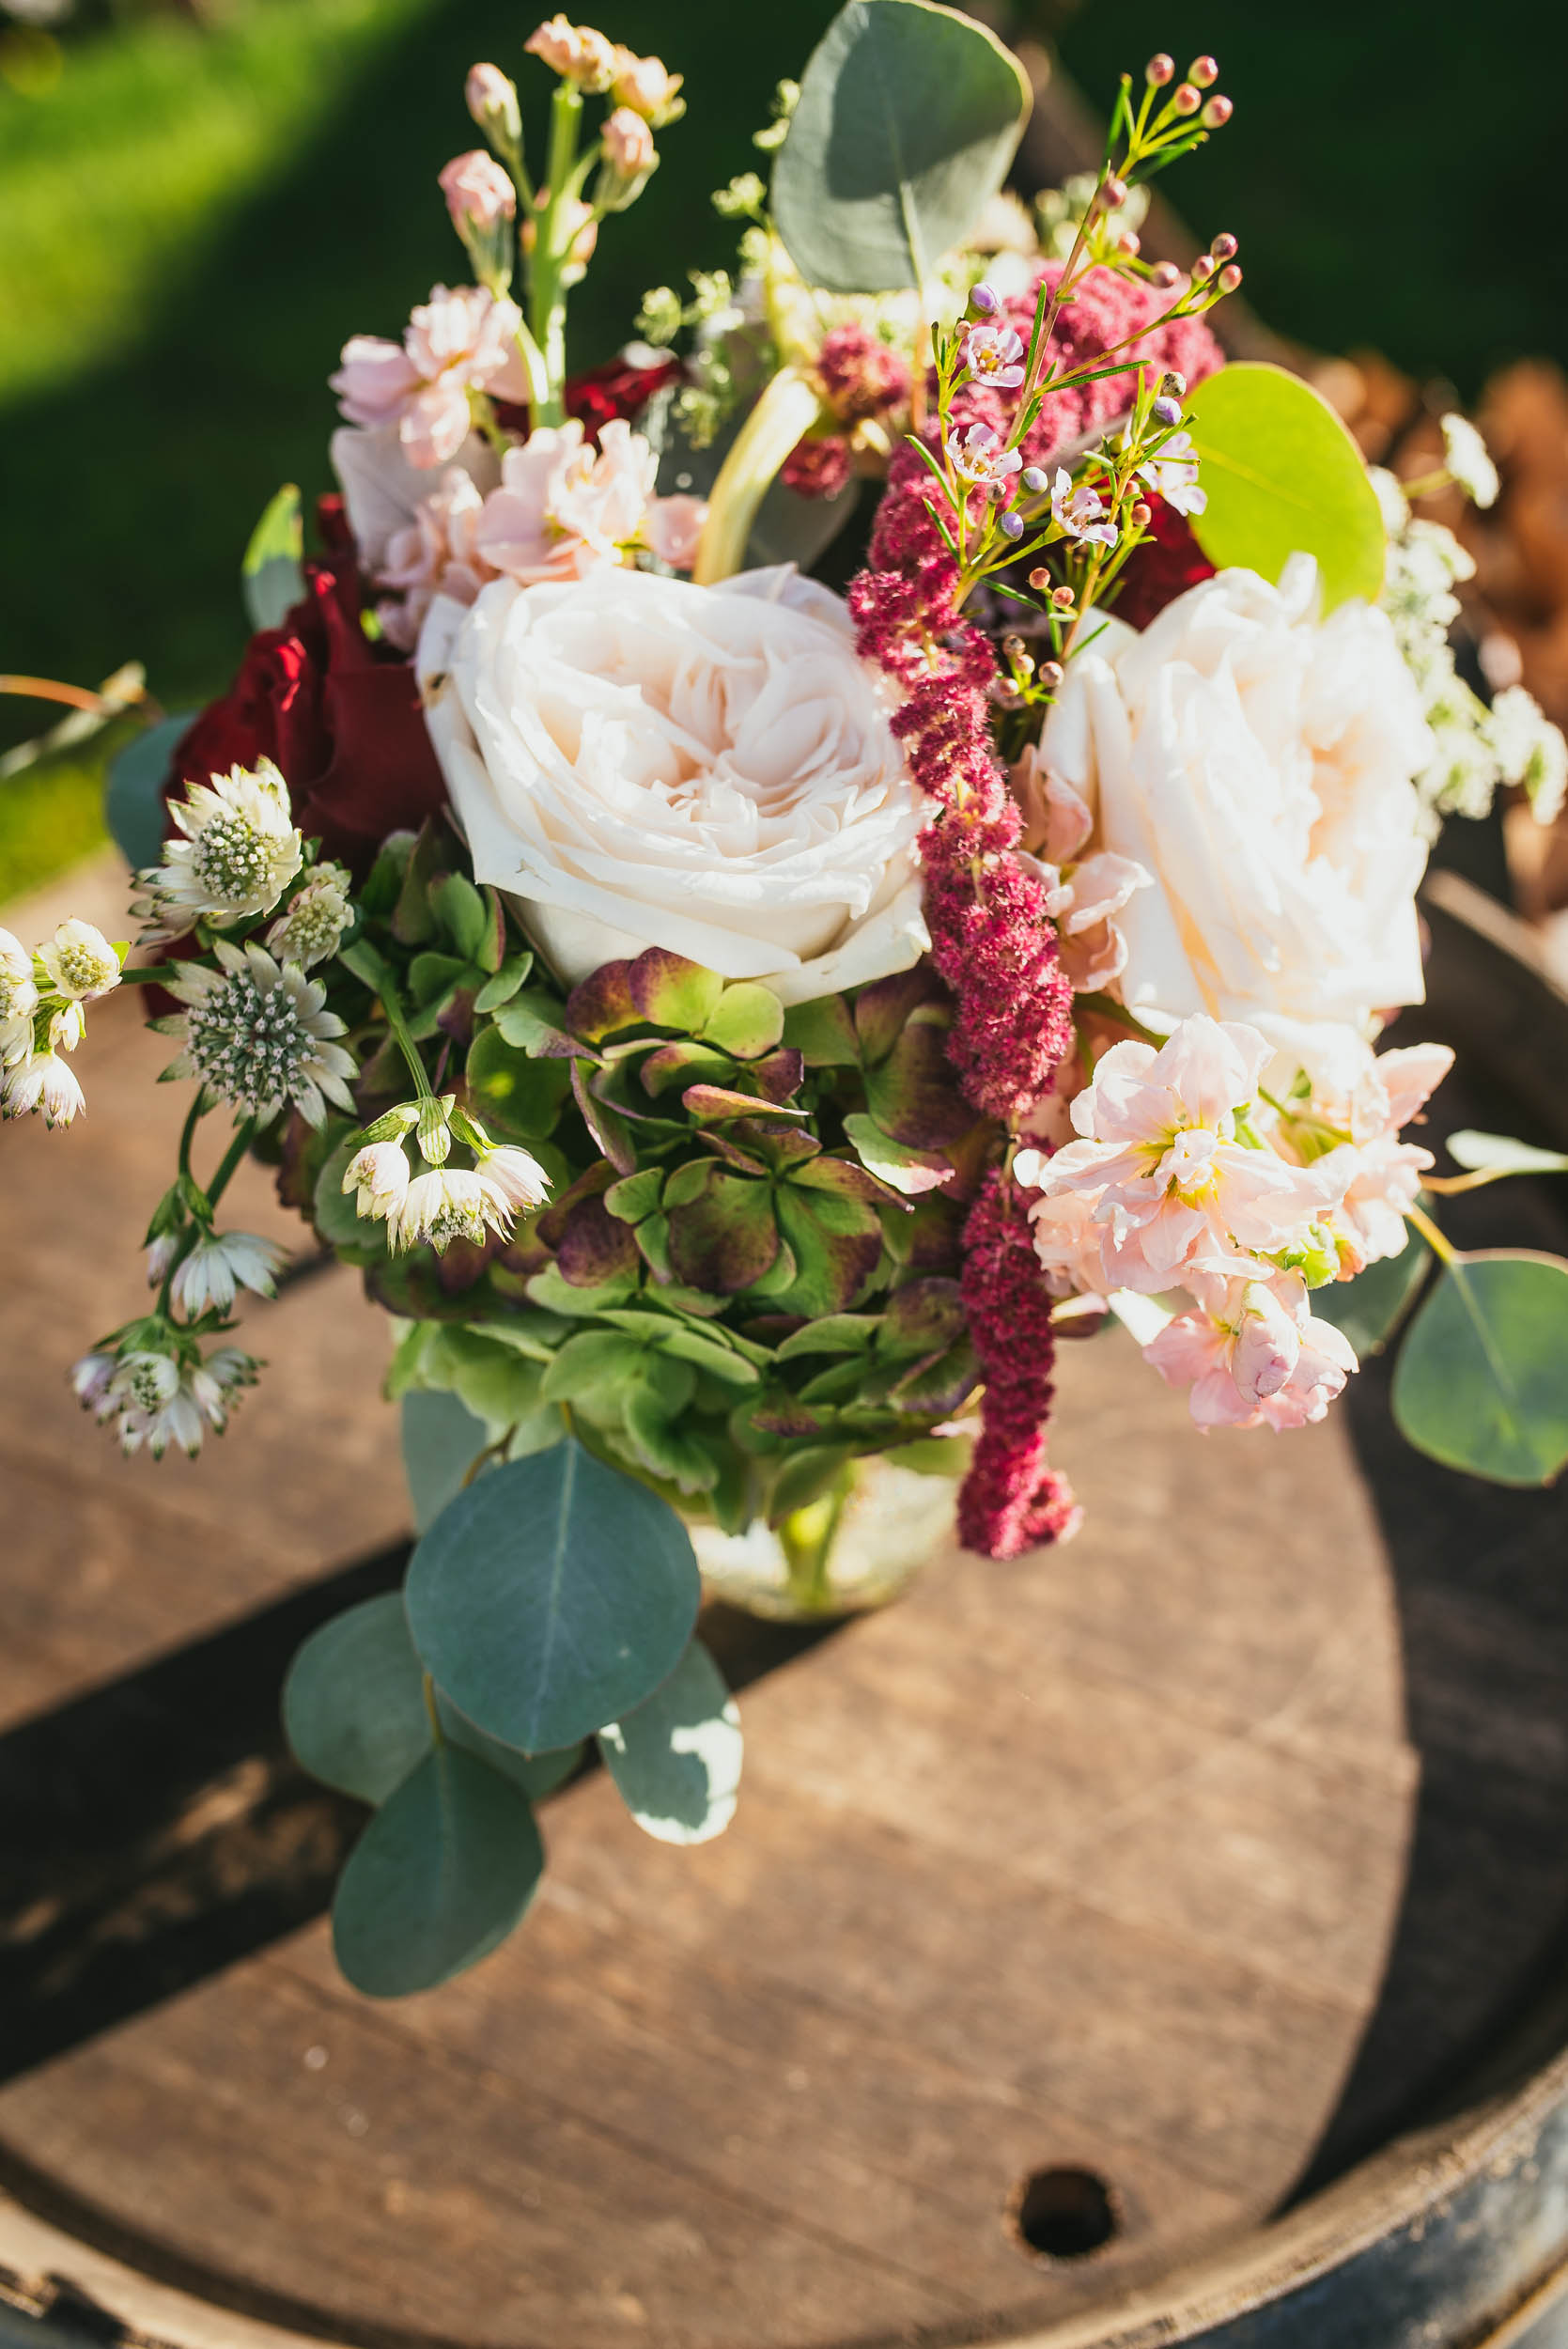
[(439, 1879), (893, 1162), (749, 1021), (1500, 1154), (272, 579), (1283, 476), (908, 119), (551, 1596), (676, 1759), (134, 797), (354, 1704), (1481, 1383), (1369, 1308)]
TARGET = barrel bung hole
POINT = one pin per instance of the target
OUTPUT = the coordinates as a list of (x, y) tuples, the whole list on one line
[(1063, 2214)]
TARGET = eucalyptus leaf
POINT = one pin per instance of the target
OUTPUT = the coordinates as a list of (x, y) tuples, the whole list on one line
[(133, 795), (441, 1439), (1500, 1154), (441, 1876), (354, 1704), (1369, 1308), (676, 1760), (538, 1774), (272, 575), (551, 1596), (1281, 476), (1480, 1381), (908, 119)]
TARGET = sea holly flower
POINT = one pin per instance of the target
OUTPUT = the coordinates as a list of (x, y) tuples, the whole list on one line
[(19, 998), (994, 356), (1469, 461), (238, 852), (42, 1081), (79, 963), (1172, 473), (310, 928), (222, 1264), (980, 459), (1079, 512), (1253, 1355), (256, 1031)]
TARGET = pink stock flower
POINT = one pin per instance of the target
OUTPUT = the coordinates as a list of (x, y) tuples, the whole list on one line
[(462, 340), (628, 142), (1162, 1159), (1357, 1104), (564, 508), (574, 51), (646, 86), (1253, 1355), (583, 236), (981, 460), (1082, 895), (479, 194), (435, 554), (994, 355), (491, 99)]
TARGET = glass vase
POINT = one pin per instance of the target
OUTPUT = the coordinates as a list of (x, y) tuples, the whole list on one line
[(856, 1546)]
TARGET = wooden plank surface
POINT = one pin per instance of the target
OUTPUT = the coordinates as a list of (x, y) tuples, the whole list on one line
[(1091, 1860)]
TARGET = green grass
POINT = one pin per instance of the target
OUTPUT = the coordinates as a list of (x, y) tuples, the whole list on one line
[(52, 816)]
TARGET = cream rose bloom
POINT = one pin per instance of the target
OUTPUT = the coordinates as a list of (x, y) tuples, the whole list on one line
[(1259, 764), (710, 769)]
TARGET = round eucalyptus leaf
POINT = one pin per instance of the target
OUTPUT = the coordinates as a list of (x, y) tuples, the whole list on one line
[(1481, 1383), (676, 1759), (1371, 1307), (441, 1876), (908, 119), (134, 799), (551, 1596), (1284, 476), (354, 1704), (441, 1439), (538, 1774)]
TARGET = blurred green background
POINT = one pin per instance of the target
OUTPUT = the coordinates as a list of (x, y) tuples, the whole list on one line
[(194, 214)]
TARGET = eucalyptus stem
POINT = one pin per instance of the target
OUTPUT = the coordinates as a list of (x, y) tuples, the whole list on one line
[(433, 1709), (1441, 1246)]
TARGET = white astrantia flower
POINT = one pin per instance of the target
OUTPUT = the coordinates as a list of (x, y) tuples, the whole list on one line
[(520, 1179), (239, 854), (90, 1381), (448, 1203), (161, 1253), (159, 1402), (1470, 461), (1530, 751), (311, 926), (19, 998), (80, 962), (379, 1177), (67, 1027), (256, 1032), (222, 1264), (42, 1082)]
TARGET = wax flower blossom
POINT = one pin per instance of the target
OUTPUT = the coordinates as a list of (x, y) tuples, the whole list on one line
[(462, 341), (258, 1033), (239, 851), (1172, 1167), (995, 355), (1171, 474), (1253, 1354), (981, 460), (1078, 510)]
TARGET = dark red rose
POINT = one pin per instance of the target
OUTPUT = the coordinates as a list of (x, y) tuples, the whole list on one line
[(601, 394), (338, 715), (1163, 568)]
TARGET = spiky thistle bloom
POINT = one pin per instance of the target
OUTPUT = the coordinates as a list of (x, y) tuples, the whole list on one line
[(79, 963), (239, 853), (219, 1264), (258, 1033), (311, 926), (43, 1082)]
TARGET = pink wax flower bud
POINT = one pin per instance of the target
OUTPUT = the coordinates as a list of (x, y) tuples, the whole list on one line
[(1113, 195), (493, 100), (1203, 266), (1217, 113), (576, 52), (1223, 247), (1204, 72), (982, 298), (1131, 243), (1160, 69), (1176, 384), (646, 86), (1230, 278), (629, 148), (1051, 673), (1188, 99), (479, 194), (1167, 275)]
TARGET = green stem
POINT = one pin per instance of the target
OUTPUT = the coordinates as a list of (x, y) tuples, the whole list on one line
[(547, 295), (433, 1709), (244, 1133), (188, 1133), (1442, 1248)]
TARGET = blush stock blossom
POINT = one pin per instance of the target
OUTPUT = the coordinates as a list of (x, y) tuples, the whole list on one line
[(462, 341)]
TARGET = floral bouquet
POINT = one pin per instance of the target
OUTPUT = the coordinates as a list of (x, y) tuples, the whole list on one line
[(741, 1024)]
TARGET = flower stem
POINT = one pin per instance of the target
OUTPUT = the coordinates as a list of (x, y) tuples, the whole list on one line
[(1441, 1246), (437, 1732)]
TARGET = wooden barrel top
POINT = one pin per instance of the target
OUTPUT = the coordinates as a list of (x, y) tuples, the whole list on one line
[(1135, 1859)]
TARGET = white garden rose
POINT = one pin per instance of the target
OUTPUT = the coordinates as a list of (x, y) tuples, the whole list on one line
[(709, 770), (1259, 764)]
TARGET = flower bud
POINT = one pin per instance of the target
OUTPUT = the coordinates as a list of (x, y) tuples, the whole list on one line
[(1204, 72), (1166, 276), (576, 52), (1203, 268), (982, 298), (1175, 383), (1223, 247), (493, 100), (1112, 194), (1230, 278), (1218, 113), (1035, 479), (1010, 525), (1267, 1345), (1062, 597), (1039, 578), (1051, 675), (435, 1135), (1168, 411), (1131, 243), (1139, 515), (1160, 69), (1188, 99), (629, 148), (646, 86), (479, 194)]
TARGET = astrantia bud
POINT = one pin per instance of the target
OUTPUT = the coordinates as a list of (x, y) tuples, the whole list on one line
[(493, 100), (310, 928), (90, 1378), (435, 1133), (80, 962), (222, 1264)]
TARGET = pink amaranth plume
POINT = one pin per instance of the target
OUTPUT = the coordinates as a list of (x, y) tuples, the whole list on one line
[(1011, 1501)]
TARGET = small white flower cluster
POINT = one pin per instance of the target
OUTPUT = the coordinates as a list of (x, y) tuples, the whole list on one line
[(310, 928), (158, 1398), (238, 852), (41, 996), (257, 1035), (442, 1202), (1476, 750)]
